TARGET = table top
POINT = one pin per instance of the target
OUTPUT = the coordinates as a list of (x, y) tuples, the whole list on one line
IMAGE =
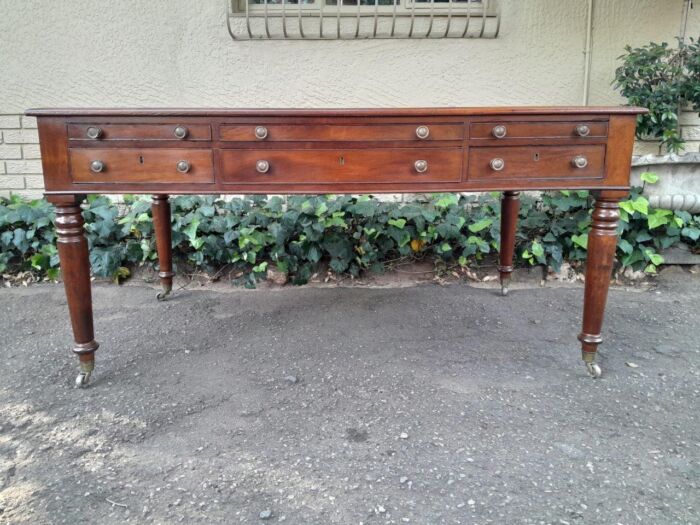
[(345, 112)]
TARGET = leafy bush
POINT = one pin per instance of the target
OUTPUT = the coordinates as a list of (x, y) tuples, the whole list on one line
[(662, 79), (350, 234)]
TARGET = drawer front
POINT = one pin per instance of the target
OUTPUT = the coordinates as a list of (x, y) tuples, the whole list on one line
[(147, 165), (559, 130), (547, 162), (342, 166), (418, 132), (107, 132)]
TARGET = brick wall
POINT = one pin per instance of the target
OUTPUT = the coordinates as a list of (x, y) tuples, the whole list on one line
[(20, 160)]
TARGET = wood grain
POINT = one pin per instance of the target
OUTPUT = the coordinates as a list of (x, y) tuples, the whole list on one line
[(141, 165), (516, 129), (349, 166), (541, 162), (346, 132)]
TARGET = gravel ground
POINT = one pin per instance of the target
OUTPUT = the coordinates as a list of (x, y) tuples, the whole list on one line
[(426, 405)]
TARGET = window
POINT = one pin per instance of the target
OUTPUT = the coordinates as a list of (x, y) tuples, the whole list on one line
[(359, 19)]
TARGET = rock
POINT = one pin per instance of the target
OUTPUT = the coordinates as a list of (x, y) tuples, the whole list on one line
[(403, 435), (403, 479), (265, 514), (381, 509), (276, 276), (291, 379)]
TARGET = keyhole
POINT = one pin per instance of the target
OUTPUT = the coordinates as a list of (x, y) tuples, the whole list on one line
[(140, 159), (341, 160), (537, 156)]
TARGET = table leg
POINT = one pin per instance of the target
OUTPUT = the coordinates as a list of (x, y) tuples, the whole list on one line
[(75, 271), (164, 244), (510, 205), (602, 241)]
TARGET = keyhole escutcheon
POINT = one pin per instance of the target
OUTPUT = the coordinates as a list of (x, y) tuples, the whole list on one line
[(341, 160)]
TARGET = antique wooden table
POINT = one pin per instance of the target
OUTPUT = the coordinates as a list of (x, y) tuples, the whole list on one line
[(220, 151)]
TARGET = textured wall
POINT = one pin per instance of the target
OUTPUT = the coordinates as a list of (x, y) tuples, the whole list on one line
[(178, 53)]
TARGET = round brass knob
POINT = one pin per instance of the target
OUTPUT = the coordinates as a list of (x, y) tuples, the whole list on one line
[(499, 131), (579, 161), (183, 166), (97, 166), (261, 132), (421, 166), (180, 132), (422, 132), (497, 164), (262, 166), (93, 133), (582, 130)]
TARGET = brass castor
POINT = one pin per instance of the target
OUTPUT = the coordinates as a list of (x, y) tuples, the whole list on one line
[(83, 379), (505, 283), (594, 370), (165, 292)]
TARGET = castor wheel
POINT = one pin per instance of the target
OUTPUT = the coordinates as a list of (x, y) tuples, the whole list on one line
[(594, 370), (83, 379), (163, 294)]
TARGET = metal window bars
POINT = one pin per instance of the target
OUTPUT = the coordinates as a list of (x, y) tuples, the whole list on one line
[(361, 19)]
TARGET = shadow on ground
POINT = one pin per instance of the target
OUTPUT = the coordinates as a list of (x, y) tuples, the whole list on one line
[(422, 405)]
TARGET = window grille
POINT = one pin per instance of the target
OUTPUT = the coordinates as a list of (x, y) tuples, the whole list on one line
[(361, 19)]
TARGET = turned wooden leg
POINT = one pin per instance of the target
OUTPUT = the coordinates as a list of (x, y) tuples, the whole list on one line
[(75, 271), (602, 241), (510, 204), (164, 243)]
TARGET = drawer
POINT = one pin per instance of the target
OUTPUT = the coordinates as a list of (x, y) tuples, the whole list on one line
[(547, 162), (544, 130), (148, 165), (342, 166), (417, 132), (106, 132)]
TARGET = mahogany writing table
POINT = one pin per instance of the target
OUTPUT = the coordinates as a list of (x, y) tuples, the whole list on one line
[(220, 151)]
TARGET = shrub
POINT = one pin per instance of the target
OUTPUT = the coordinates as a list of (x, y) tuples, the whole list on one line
[(350, 234), (662, 79)]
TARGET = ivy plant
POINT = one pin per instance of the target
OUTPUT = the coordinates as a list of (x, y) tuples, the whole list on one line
[(350, 235)]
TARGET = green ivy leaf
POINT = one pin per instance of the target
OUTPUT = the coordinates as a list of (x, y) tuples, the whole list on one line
[(398, 223), (625, 246), (480, 225), (641, 205), (648, 176), (658, 218), (537, 249), (580, 240)]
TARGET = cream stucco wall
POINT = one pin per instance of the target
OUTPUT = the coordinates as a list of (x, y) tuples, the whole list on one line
[(179, 53)]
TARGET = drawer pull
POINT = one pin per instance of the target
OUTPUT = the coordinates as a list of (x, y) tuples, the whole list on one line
[(94, 133), (497, 164), (262, 166), (181, 132), (422, 132), (183, 166), (579, 161), (582, 130), (97, 166), (421, 166), (261, 132), (499, 131)]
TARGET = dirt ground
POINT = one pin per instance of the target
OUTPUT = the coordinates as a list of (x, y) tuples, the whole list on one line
[(419, 404)]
